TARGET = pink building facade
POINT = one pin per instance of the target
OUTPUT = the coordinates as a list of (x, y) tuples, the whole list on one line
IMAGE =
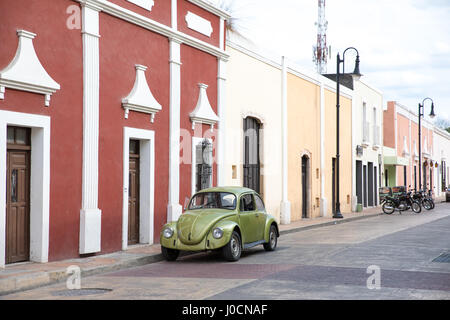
[(401, 149)]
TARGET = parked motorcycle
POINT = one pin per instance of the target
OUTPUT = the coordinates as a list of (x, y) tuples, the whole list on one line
[(401, 203), (423, 198)]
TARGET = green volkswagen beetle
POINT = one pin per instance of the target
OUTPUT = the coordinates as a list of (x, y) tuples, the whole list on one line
[(229, 219)]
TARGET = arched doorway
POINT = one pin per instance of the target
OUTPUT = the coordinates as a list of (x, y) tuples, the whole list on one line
[(252, 163)]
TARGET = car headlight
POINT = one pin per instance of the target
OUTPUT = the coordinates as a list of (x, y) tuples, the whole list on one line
[(217, 233), (168, 233)]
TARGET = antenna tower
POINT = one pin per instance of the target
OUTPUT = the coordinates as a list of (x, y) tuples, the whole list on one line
[(321, 50)]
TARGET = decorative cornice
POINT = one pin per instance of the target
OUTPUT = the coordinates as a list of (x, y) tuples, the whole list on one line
[(149, 24), (203, 112), (211, 8), (141, 98), (146, 4), (25, 72)]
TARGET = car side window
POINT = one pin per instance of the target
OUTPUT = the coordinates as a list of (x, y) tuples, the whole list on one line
[(246, 203), (259, 203)]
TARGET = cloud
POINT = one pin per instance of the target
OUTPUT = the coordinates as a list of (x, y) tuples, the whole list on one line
[(404, 45)]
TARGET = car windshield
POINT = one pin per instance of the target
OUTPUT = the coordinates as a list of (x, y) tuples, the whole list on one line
[(214, 200)]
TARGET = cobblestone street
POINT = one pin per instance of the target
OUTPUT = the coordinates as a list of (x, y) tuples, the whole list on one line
[(330, 262)]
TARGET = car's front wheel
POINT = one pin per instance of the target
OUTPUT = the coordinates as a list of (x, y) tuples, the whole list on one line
[(170, 254), (232, 251), (272, 244)]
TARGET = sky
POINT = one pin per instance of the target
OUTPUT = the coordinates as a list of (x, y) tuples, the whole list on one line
[(404, 45)]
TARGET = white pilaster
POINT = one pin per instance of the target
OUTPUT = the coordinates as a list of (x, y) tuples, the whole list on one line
[(174, 14), (285, 204), (221, 135), (222, 33), (174, 208), (90, 215), (323, 199)]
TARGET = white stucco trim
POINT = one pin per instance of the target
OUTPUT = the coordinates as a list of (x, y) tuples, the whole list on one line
[(39, 182), (90, 214), (146, 4), (203, 112), (152, 25), (199, 24), (174, 208), (208, 6), (25, 72), (140, 98), (195, 142), (146, 187), (174, 14), (221, 110), (222, 28), (323, 199), (285, 209)]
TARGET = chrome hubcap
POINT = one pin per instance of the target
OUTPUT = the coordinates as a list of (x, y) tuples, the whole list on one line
[(234, 246), (273, 239)]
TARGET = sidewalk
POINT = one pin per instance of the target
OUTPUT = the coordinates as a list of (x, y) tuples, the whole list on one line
[(29, 275)]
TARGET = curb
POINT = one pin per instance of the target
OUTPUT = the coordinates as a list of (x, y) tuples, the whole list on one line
[(43, 278), (329, 223)]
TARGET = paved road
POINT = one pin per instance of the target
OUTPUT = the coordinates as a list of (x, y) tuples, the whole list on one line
[(325, 263)]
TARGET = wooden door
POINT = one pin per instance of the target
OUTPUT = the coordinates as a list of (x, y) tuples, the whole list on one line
[(133, 194), (18, 195)]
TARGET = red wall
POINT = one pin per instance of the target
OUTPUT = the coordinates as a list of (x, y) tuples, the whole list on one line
[(60, 52), (197, 67), (123, 45)]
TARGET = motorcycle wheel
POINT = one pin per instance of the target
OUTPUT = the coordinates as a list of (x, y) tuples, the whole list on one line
[(415, 206), (426, 203), (432, 203), (388, 207)]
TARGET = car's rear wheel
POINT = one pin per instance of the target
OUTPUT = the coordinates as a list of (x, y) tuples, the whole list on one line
[(170, 254), (272, 244), (232, 251)]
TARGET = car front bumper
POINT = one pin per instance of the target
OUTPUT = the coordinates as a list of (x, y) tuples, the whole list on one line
[(208, 243)]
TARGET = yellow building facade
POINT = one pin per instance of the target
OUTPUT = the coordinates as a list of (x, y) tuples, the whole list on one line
[(289, 157), (312, 145)]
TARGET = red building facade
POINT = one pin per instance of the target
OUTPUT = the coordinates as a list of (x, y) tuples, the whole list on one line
[(104, 106)]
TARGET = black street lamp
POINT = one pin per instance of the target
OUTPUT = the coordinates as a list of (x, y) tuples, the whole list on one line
[(421, 114), (356, 75)]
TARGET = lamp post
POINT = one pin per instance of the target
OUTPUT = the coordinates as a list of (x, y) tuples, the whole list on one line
[(356, 75), (421, 114)]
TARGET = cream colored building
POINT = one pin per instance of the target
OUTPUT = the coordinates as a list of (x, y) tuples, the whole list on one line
[(254, 94), (280, 127), (367, 145)]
